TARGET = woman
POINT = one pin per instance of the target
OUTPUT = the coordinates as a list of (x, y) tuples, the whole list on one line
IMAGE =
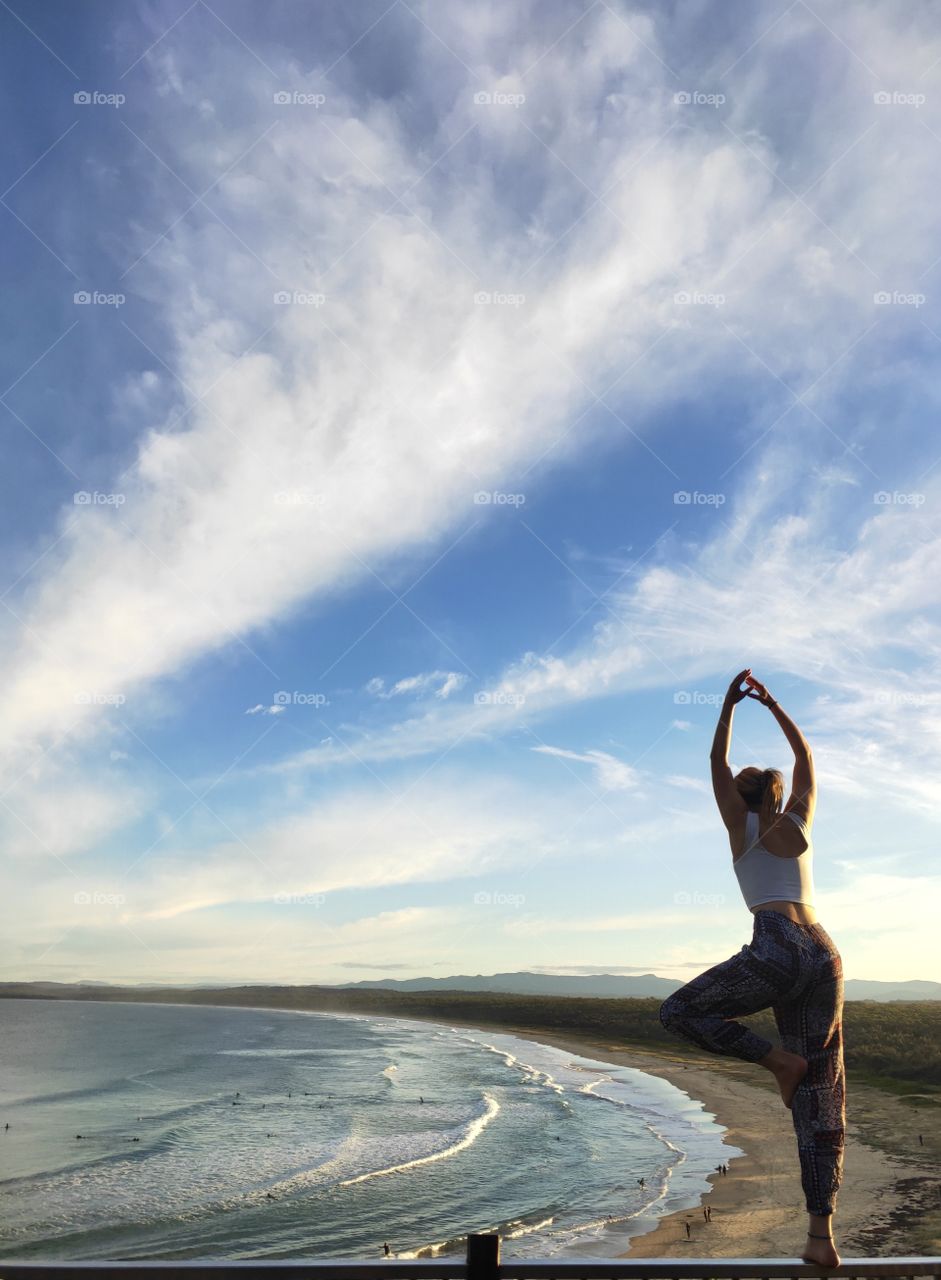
[(791, 964)]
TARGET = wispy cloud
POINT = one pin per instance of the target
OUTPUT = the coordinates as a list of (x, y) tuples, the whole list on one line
[(612, 774), (441, 683), (380, 338), (831, 626), (236, 510)]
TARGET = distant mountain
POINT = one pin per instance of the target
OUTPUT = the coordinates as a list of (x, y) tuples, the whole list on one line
[(608, 986), (60, 989), (862, 989), (613, 986)]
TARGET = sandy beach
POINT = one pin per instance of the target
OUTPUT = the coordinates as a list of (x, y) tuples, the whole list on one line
[(890, 1201)]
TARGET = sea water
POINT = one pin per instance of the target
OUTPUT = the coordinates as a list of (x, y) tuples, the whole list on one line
[(235, 1133)]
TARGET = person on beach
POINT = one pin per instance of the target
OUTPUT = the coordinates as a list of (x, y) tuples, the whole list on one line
[(791, 964)]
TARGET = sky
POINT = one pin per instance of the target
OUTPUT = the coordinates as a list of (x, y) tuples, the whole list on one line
[(413, 417)]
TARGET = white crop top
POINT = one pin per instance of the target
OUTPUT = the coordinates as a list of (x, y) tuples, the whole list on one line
[(766, 877)]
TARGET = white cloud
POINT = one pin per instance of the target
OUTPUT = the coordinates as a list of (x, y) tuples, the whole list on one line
[(612, 774), (845, 601), (260, 709), (440, 683), (357, 839), (687, 783), (322, 445), (322, 440), (626, 923), (65, 815)]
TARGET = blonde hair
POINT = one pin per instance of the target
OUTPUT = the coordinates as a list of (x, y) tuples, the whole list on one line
[(763, 788)]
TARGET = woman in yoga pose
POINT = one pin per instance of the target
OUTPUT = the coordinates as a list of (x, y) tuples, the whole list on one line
[(790, 966)]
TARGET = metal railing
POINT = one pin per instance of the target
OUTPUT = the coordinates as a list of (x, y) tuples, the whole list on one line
[(482, 1262)]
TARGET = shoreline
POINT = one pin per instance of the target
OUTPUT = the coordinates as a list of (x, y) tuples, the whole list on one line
[(890, 1200), (889, 1204)]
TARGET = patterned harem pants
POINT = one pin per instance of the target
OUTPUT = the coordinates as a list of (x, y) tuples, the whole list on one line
[(796, 971)]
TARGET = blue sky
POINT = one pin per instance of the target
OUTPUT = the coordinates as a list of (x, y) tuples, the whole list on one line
[(414, 415)]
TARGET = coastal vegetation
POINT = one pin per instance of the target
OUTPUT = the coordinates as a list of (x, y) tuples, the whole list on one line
[(894, 1045)]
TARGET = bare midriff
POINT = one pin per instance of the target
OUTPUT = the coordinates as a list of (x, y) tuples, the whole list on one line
[(799, 912)]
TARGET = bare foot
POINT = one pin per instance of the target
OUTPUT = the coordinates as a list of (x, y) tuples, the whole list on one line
[(789, 1070), (821, 1253)]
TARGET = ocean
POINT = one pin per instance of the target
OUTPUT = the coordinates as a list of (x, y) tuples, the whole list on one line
[(220, 1133)]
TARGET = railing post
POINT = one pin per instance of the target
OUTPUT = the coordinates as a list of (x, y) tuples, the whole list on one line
[(483, 1257)]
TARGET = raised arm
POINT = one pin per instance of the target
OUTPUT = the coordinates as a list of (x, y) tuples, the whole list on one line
[(803, 797), (731, 805)]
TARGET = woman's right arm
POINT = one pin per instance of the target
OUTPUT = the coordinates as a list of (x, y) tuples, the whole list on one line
[(799, 744), (803, 798)]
